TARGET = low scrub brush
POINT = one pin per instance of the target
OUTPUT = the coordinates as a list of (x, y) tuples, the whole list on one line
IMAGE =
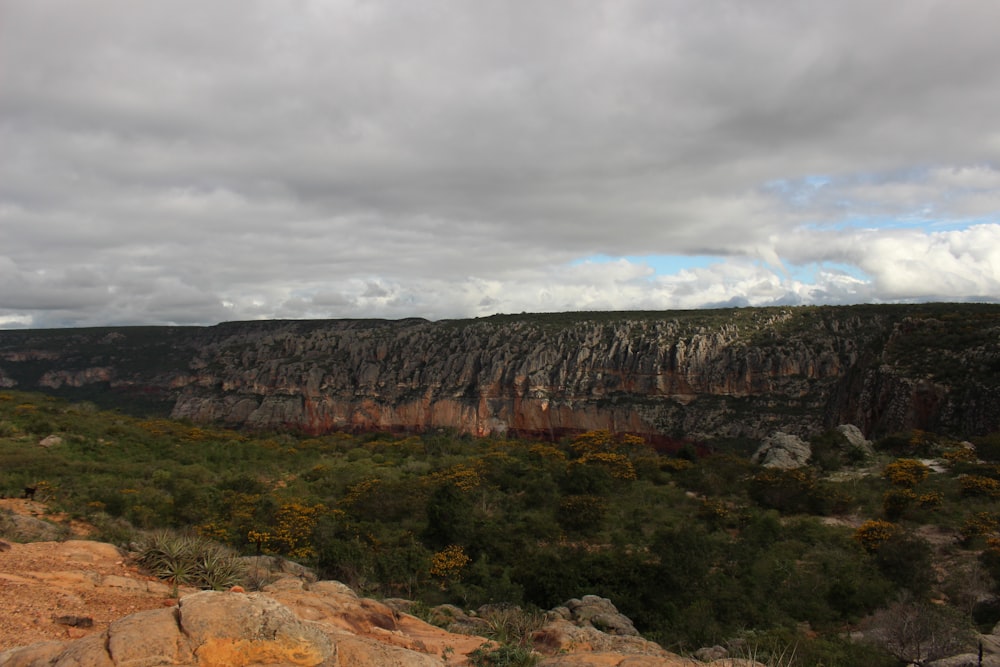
[(186, 560)]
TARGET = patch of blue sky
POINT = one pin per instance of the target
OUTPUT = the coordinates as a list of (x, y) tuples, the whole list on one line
[(662, 265), (929, 223), (798, 191)]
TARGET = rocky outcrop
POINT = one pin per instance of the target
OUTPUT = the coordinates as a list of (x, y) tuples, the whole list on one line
[(783, 451), (854, 440), (695, 375), (325, 624), (592, 611)]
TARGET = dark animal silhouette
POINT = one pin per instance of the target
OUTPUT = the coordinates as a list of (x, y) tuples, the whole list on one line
[(29, 492)]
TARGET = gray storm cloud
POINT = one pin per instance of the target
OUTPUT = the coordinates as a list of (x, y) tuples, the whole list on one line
[(191, 162)]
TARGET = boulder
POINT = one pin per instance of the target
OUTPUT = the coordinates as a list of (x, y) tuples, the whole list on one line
[(560, 637), (50, 441), (264, 570), (29, 529), (42, 653), (710, 653), (855, 439), (784, 451), (600, 613)]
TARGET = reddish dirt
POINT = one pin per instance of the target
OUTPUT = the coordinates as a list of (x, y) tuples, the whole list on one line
[(41, 581)]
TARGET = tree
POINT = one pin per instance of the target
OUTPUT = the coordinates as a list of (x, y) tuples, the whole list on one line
[(449, 518), (920, 632)]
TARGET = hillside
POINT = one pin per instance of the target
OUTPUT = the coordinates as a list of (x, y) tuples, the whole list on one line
[(82, 602), (666, 376)]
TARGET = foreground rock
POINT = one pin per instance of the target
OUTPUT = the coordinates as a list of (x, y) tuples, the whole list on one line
[(323, 624), (45, 584), (215, 629), (81, 603)]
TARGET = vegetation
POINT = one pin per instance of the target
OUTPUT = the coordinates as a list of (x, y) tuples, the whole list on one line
[(185, 560), (696, 550)]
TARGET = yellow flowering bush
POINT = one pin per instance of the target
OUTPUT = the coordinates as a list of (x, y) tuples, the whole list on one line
[(931, 499), (874, 533), (463, 476), (959, 455), (980, 523), (547, 452), (977, 485), (593, 441), (617, 464), (906, 472), (360, 490), (449, 562), (605, 441), (292, 533)]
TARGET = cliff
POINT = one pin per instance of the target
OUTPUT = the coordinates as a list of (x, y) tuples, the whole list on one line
[(664, 375)]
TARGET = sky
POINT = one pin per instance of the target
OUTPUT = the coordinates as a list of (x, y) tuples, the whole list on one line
[(191, 162)]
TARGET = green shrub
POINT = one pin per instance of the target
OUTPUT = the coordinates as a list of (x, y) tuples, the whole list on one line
[(511, 625), (114, 530), (792, 491), (896, 502), (988, 447), (581, 516), (185, 560), (503, 655)]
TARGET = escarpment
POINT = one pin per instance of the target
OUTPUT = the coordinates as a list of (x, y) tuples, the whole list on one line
[(666, 375)]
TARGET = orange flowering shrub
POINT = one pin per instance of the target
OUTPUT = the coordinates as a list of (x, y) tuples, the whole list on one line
[(593, 441), (977, 485), (605, 441), (356, 492), (463, 476), (547, 453), (906, 472), (292, 534), (874, 533), (617, 464), (449, 562), (980, 523), (959, 455), (928, 500)]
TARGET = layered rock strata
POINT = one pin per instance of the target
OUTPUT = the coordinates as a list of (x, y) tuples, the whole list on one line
[(699, 374)]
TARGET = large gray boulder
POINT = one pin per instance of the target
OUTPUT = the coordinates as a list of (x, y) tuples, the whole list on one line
[(855, 439), (595, 612), (784, 451)]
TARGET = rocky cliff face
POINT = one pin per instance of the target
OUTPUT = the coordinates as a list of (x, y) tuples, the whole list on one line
[(697, 374)]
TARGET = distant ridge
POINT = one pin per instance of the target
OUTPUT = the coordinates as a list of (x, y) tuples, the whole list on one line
[(671, 375)]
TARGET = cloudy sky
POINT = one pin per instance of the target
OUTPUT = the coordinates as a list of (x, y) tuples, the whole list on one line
[(197, 161)]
